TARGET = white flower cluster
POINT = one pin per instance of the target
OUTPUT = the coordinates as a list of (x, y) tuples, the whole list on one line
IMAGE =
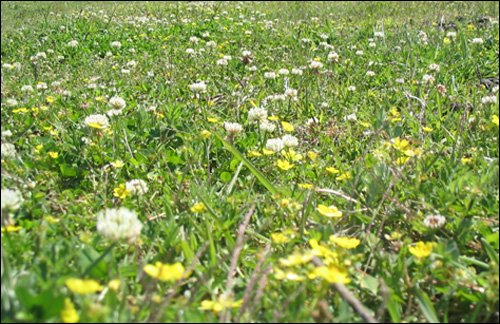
[(97, 121), (278, 144), (117, 103), (137, 187), (233, 128), (119, 225), (434, 221), (198, 87), (11, 199)]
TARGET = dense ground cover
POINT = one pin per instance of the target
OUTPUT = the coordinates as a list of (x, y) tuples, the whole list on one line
[(213, 161)]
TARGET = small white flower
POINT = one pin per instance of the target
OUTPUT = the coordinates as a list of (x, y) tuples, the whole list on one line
[(198, 87), (372, 44), (370, 73), (222, 62), (125, 71), (290, 140), (117, 103), (315, 65), (359, 53), (434, 67), (253, 68), (275, 144), (477, 41), (114, 112), (400, 81), (11, 199), (233, 128), (11, 102), (378, 34), (97, 121), (194, 39), (246, 53), (297, 71), (266, 126), (333, 56), (256, 114), (351, 88), (8, 150), (119, 225), (137, 187), (283, 72), (6, 134), (434, 221), (131, 64), (489, 100), (73, 43), (190, 51), (351, 118), (428, 79), (116, 44), (227, 57), (211, 44), (292, 93), (270, 75), (451, 34)]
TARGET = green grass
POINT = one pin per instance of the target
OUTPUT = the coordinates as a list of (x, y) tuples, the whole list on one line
[(385, 148)]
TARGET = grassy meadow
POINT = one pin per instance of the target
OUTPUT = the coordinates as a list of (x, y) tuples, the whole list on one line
[(253, 161)]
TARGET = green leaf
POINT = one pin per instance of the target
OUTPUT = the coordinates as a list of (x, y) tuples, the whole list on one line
[(225, 176), (492, 254), (68, 171), (394, 308), (370, 283), (263, 180), (426, 306)]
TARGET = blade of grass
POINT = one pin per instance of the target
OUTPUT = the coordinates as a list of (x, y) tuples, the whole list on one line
[(425, 304)]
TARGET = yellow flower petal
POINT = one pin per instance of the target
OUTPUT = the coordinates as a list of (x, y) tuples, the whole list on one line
[(345, 242), (81, 286), (421, 249), (69, 314), (331, 211)]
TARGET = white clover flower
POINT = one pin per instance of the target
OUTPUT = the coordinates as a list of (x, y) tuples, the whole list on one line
[(400, 81), (73, 43), (198, 87), (315, 65), (194, 39), (11, 102), (227, 57), (256, 114), (6, 134), (378, 34), (132, 64), (253, 68), (41, 55), (246, 53), (370, 73), (119, 225), (7, 66), (434, 221), (290, 140), (477, 41), (211, 44), (97, 121), (114, 112), (116, 44), (351, 118), (190, 51), (434, 67), (41, 86), (266, 126), (494, 89), (125, 71), (333, 56), (311, 122), (233, 128), (117, 103), (372, 44), (359, 53), (297, 71), (351, 88), (292, 93), (283, 72), (428, 79), (137, 187), (222, 62), (275, 144), (8, 150), (270, 75), (489, 100), (11, 199)]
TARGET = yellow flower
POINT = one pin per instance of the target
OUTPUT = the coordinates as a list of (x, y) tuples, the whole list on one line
[(421, 249), (81, 286), (284, 165), (50, 99), (53, 155), (467, 160), (494, 119), (287, 126), (121, 191), (332, 170), (114, 284), (212, 120), (296, 259), (344, 176), (427, 129), (199, 208), (11, 228), (279, 238), (331, 274), (51, 219), (446, 40), (206, 134), (402, 160), (220, 304), (284, 202), (20, 110), (288, 275), (166, 272), (267, 152), (331, 211), (305, 185), (364, 124), (312, 155), (254, 153), (95, 125), (345, 242), (273, 118), (117, 164), (400, 144), (291, 155), (321, 251), (69, 314)]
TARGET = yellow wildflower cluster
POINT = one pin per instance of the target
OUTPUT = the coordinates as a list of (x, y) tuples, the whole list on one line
[(166, 272)]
